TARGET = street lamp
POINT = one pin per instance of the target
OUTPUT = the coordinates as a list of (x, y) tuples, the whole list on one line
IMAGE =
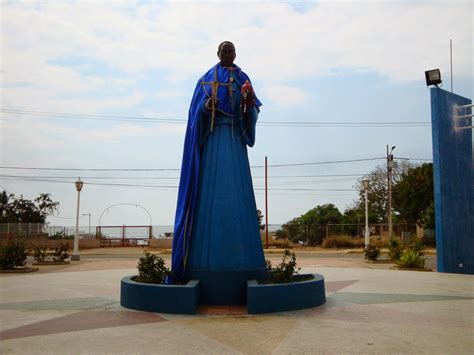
[(75, 255), (390, 166), (367, 232)]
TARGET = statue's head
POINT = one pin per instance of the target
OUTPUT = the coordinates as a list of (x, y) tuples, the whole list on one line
[(226, 53)]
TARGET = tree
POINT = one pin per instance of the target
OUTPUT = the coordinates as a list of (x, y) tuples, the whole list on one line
[(413, 195), (310, 227), (260, 219), (378, 190), (322, 214), (20, 210)]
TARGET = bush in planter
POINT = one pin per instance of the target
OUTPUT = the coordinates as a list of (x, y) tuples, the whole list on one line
[(61, 252), (417, 245), (152, 269), (40, 254), (285, 271), (394, 249), (411, 258), (372, 252), (13, 254)]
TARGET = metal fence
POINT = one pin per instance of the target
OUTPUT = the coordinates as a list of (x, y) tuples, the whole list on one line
[(85, 232), (314, 234)]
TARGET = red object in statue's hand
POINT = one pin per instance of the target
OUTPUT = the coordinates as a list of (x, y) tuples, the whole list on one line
[(248, 100), (246, 88)]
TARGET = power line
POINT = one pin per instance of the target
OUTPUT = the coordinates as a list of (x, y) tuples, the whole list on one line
[(164, 186), (51, 178), (176, 169), (318, 163), (172, 177), (183, 121)]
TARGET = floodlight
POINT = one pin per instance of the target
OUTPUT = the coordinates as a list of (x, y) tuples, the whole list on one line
[(433, 77)]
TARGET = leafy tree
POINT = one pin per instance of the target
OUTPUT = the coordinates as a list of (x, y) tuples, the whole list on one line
[(309, 227), (322, 214), (20, 210), (260, 219), (291, 230), (378, 190), (355, 218), (413, 196)]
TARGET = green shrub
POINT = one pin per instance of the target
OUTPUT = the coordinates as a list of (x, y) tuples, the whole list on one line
[(13, 254), (152, 269), (57, 235), (394, 249), (40, 254), (372, 252), (61, 252), (283, 273), (410, 258)]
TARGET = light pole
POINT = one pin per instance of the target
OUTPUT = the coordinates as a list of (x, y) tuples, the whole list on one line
[(367, 232), (88, 214), (75, 255), (389, 178)]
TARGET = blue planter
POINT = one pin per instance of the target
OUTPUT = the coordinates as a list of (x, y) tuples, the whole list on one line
[(267, 298), (160, 298), (224, 287)]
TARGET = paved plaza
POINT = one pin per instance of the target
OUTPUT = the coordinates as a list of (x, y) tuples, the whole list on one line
[(75, 309)]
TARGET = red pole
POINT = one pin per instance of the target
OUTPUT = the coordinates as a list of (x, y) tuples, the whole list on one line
[(266, 205)]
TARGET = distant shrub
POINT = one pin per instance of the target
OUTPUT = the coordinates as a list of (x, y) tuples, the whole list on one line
[(372, 252), (13, 254), (417, 245), (394, 249), (61, 252), (152, 269), (410, 258), (40, 254), (281, 244), (57, 235), (342, 241)]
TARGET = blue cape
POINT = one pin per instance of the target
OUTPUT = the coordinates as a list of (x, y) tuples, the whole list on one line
[(197, 128)]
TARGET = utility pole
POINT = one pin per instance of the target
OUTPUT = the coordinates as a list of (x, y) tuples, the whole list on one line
[(266, 204), (389, 184), (365, 183)]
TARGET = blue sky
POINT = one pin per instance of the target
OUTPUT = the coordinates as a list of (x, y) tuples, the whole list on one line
[(333, 61)]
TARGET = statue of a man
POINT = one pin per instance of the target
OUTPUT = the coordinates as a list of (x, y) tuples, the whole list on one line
[(216, 233)]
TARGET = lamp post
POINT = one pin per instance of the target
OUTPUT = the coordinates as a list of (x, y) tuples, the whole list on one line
[(390, 166), (75, 255), (88, 214), (367, 232)]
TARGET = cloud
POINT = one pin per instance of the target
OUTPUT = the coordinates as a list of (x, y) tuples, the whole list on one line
[(274, 40), (286, 96)]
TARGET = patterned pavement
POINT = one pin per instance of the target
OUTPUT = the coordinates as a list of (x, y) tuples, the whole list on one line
[(76, 310)]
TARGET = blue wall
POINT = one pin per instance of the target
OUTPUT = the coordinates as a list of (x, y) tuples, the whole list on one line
[(453, 184)]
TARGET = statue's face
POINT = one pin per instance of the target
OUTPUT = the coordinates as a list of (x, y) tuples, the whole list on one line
[(226, 54)]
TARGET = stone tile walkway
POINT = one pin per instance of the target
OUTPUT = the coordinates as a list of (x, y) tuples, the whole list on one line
[(76, 310)]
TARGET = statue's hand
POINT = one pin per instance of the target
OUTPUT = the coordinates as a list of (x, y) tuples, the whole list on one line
[(208, 104)]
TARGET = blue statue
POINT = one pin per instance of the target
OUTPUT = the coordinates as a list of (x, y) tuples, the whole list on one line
[(216, 232)]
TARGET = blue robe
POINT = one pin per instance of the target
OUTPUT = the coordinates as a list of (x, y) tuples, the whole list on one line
[(216, 226)]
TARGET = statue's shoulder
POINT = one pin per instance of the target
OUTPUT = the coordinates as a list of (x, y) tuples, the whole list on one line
[(208, 74)]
